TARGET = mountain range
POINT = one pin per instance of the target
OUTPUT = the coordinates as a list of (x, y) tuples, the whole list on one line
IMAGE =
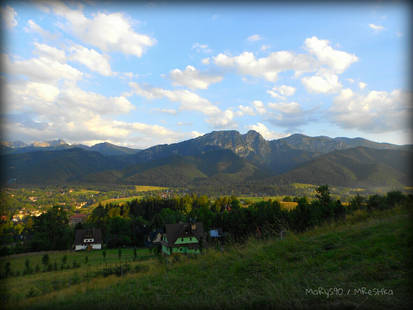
[(217, 159)]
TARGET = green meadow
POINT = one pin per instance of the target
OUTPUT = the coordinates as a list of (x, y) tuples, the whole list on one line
[(360, 263)]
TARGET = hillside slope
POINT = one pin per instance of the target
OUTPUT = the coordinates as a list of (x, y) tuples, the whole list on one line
[(53, 167), (354, 167), (268, 274)]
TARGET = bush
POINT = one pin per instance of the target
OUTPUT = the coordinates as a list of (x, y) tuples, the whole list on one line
[(34, 291), (45, 259), (75, 278), (141, 268)]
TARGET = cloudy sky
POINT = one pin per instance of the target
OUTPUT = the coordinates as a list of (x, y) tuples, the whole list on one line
[(140, 75)]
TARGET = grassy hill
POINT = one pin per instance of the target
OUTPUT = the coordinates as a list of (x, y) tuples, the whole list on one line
[(354, 167), (368, 251)]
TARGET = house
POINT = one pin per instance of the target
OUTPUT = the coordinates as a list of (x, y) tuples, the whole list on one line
[(183, 238), (77, 218), (153, 238), (90, 239)]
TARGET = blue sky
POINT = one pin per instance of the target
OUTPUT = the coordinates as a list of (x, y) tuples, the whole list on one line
[(145, 74)]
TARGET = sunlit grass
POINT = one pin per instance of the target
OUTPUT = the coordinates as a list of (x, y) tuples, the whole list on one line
[(147, 188), (120, 201)]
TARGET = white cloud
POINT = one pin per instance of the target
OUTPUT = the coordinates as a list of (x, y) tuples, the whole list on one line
[(206, 61), (376, 27), (50, 52), (254, 37), (167, 111), (192, 78), (275, 95), (375, 112), (289, 114), (321, 56), (265, 132), (80, 99), (245, 110), (266, 67), (201, 48), (33, 27), (223, 119), (9, 17), (129, 75), (323, 82), (265, 47), (44, 69), (95, 129), (286, 107), (284, 90), (362, 85), (43, 91), (109, 32), (48, 99), (79, 116), (350, 81), (337, 61), (259, 106), (189, 101), (91, 59)]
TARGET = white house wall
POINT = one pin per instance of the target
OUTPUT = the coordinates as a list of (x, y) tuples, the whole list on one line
[(95, 246)]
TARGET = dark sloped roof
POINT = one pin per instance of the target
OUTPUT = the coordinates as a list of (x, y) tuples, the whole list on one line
[(96, 233), (175, 231)]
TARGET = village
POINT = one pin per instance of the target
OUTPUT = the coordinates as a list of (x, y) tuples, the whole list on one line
[(185, 238)]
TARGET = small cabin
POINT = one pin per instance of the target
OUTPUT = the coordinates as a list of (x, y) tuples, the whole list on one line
[(153, 238), (77, 218), (185, 238), (88, 239)]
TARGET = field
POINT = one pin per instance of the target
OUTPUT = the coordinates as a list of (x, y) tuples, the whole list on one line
[(146, 188), (119, 201), (334, 265), (247, 200)]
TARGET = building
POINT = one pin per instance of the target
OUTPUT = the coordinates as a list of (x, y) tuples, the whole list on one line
[(77, 218), (153, 238), (90, 239), (183, 238)]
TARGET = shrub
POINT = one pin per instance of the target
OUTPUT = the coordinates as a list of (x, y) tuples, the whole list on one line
[(34, 291), (7, 269), (45, 259), (141, 268)]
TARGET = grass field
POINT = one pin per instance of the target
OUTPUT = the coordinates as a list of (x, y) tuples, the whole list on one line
[(247, 200), (368, 251), (119, 201), (147, 188)]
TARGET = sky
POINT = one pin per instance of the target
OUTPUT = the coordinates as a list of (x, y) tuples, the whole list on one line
[(151, 73)]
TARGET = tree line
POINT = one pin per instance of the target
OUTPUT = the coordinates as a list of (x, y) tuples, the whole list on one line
[(128, 224)]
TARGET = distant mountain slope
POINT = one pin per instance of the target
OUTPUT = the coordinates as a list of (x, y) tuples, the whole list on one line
[(324, 144), (53, 167), (105, 148), (109, 149), (354, 167), (213, 166)]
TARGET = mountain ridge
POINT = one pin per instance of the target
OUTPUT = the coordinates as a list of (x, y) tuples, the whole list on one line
[(216, 159)]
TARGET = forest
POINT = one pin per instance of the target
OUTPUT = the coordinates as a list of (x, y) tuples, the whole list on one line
[(127, 225)]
